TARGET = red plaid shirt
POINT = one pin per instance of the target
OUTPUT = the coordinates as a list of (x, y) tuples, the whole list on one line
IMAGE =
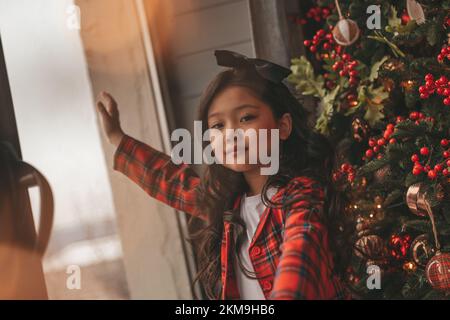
[(289, 251)]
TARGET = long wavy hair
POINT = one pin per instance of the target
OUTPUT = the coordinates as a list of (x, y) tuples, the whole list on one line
[(304, 153)]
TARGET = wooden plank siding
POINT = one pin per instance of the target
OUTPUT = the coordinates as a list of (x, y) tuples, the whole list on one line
[(193, 29)]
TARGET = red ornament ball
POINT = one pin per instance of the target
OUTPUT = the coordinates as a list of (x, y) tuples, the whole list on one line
[(438, 271), (399, 245)]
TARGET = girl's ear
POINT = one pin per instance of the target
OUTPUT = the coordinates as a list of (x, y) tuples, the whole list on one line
[(285, 126)]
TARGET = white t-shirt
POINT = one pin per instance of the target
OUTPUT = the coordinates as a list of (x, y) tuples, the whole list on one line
[(251, 211)]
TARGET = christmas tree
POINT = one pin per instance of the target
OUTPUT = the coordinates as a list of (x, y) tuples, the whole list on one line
[(380, 74)]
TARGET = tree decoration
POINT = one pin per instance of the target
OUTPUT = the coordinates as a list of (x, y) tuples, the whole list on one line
[(415, 11), (346, 31), (360, 129), (316, 14), (370, 246), (416, 199), (438, 271), (377, 145), (410, 267), (405, 18), (393, 65), (381, 98), (399, 244), (444, 54), (421, 250), (347, 171), (440, 86), (418, 203), (323, 42), (408, 85)]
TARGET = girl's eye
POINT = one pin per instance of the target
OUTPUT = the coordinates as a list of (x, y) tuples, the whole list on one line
[(247, 118), (216, 126)]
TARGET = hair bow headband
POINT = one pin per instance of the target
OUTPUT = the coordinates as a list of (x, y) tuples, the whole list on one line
[(266, 69)]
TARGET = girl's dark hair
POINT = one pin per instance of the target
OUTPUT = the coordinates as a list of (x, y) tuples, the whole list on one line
[(304, 153)]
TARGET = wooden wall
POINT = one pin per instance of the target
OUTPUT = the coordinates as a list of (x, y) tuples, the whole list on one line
[(186, 33)]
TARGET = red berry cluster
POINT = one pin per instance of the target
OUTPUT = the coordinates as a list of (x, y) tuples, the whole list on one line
[(376, 145), (315, 13), (399, 119), (345, 170), (322, 40), (344, 64), (445, 53), (346, 67), (318, 13), (441, 86), (439, 168), (418, 116)]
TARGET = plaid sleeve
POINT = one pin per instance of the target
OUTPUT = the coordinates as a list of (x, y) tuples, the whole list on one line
[(154, 171), (304, 269)]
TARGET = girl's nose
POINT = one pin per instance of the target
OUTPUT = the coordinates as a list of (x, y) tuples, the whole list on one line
[(233, 134)]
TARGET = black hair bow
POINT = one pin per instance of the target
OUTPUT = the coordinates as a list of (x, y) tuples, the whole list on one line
[(266, 69)]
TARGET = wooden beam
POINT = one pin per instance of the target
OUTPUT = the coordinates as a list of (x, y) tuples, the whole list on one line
[(275, 37)]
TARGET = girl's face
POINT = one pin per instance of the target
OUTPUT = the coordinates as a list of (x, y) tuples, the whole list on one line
[(237, 107)]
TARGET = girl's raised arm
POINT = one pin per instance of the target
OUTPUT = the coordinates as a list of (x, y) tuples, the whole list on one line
[(153, 170), (156, 174)]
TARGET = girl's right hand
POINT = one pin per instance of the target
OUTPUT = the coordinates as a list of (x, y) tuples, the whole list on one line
[(109, 115)]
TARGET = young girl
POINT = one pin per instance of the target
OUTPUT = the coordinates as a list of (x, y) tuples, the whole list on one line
[(263, 237)]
